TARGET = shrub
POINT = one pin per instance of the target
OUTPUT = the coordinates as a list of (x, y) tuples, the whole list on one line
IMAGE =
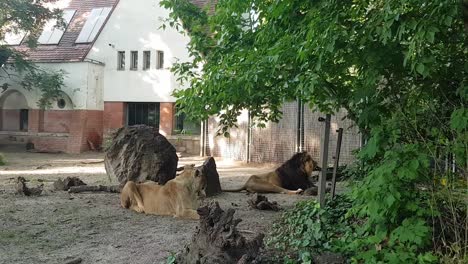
[(308, 229)]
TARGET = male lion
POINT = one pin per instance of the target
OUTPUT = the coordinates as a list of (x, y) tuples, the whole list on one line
[(289, 178), (178, 197)]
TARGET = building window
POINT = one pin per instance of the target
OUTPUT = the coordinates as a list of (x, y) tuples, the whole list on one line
[(143, 114), (146, 59), (160, 60), (185, 126), (24, 116), (134, 60), (61, 103), (121, 60)]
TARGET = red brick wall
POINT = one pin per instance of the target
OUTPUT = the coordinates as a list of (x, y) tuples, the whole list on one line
[(57, 121), (35, 120), (86, 125), (10, 119), (166, 119), (50, 143), (114, 116)]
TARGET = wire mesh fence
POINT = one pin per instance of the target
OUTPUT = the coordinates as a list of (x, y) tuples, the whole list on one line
[(277, 142)]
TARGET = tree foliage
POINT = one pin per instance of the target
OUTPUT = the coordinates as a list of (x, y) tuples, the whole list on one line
[(21, 17), (397, 66)]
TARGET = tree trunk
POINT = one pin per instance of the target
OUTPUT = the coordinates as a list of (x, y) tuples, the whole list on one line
[(213, 185)]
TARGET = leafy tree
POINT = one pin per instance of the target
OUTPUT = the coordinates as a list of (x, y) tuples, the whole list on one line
[(397, 66), (25, 16)]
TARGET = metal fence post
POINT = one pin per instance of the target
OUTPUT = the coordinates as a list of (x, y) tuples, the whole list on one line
[(249, 136), (202, 139), (324, 155), (337, 160), (298, 125)]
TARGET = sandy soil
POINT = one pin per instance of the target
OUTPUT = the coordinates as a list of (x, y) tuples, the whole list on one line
[(58, 227)]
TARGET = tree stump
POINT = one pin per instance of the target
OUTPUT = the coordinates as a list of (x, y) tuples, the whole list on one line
[(139, 153), (217, 239), (213, 186)]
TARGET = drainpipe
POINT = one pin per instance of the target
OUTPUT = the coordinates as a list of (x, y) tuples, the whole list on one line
[(249, 137)]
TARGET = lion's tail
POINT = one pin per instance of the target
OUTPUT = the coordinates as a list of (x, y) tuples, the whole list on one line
[(235, 190)]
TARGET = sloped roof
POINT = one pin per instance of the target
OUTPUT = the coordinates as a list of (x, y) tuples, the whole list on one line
[(67, 50)]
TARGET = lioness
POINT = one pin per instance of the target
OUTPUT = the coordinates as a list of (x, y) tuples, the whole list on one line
[(290, 178), (178, 197)]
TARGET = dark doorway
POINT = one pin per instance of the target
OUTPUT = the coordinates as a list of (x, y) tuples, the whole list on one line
[(24, 119), (143, 114)]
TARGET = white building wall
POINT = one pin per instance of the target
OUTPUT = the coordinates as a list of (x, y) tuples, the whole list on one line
[(135, 26), (82, 86)]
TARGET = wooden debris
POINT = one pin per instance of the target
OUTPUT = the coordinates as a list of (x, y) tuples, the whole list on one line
[(22, 189), (260, 202), (44, 151), (65, 185), (98, 188), (93, 162), (313, 191), (43, 166), (74, 261)]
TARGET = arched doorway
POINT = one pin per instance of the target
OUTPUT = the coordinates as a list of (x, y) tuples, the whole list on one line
[(14, 111)]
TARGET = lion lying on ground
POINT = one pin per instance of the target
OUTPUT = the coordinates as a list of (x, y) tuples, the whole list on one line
[(290, 178), (178, 197)]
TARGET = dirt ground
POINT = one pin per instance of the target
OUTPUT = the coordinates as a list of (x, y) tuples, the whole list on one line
[(58, 227)]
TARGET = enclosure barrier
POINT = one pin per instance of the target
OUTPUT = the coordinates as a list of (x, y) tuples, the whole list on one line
[(298, 130)]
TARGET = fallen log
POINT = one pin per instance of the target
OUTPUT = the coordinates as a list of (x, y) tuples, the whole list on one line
[(98, 188)]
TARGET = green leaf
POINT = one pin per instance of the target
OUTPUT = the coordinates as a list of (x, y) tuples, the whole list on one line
[(421, 69)]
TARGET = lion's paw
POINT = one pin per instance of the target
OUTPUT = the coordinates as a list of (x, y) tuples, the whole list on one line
[(139, 210)]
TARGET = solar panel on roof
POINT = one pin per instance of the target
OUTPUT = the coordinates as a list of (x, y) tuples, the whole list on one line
[(50, 33), (93, 24), (13, 38)]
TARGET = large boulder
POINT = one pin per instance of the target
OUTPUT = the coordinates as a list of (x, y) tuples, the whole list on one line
[(140, 153)]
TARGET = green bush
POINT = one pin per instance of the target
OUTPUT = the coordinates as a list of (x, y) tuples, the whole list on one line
[(308, 229)]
